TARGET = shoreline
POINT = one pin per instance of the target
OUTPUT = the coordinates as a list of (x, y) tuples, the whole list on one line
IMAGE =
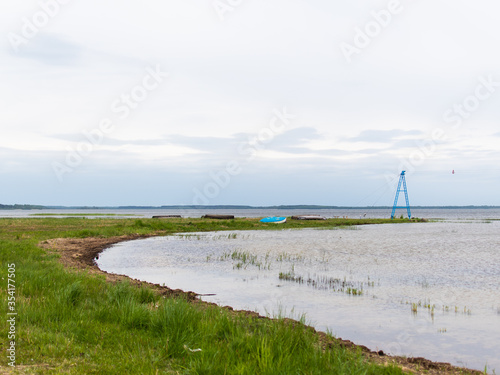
[(81, 253)]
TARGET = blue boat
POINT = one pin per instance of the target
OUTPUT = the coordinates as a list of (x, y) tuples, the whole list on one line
[(274, 219)]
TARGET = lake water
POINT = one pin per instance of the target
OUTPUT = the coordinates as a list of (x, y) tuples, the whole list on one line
[(428, 213), (419, 289)]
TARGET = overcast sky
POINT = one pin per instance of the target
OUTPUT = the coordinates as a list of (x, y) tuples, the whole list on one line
[(259, 102)]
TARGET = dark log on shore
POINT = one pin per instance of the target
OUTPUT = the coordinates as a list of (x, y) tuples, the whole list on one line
[(166, 216), (220, 217), (308, 217)]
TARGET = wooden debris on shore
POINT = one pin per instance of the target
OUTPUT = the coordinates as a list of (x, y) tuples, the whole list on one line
[(219, 217), (308, 217), (167, 216)]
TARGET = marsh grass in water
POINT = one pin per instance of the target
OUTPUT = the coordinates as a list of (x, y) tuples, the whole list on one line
[(71, 321), (287, 257), (322, 282), (243, 259), (431, 308)]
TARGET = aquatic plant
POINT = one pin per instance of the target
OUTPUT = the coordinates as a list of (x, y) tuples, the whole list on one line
[(219, 237), (289, 276), (244, 259), (287, 257), (370, 282), (322, 282), (414, 308), (189, 237), (426, 304)]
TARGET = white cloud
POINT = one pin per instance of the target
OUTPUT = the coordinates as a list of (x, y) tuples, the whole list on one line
[(227, 77)]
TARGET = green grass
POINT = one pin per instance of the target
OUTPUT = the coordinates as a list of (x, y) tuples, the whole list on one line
[(74, 322), (81, 215)]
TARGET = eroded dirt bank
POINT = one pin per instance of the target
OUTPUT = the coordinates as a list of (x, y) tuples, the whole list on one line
[(81, 253)]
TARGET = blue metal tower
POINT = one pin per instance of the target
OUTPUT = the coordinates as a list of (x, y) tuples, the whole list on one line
[(402, 181)]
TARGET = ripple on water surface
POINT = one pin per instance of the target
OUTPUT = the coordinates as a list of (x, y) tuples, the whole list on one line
[(429, 289)]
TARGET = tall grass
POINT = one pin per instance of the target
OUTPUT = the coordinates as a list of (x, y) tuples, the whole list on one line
[(75, 322)]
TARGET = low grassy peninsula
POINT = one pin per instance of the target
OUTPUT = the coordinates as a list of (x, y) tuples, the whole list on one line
[(71, 318)]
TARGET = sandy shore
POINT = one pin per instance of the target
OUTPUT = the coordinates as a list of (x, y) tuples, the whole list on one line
[(81, 253)]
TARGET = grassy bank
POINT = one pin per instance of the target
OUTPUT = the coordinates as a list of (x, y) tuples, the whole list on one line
[(81, 215), (72, 321)]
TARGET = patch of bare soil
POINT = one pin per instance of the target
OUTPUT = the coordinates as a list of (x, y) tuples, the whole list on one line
[(81, 253)]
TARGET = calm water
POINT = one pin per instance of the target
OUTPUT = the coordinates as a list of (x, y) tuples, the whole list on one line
[(430, 289), (451, 214)]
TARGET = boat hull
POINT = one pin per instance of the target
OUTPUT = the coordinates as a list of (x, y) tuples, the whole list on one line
[(274, 220)]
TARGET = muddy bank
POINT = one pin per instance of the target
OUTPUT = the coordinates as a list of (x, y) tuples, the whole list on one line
[(81, 253)]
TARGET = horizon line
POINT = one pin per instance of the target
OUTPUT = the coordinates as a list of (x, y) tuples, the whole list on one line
[(229, 206)]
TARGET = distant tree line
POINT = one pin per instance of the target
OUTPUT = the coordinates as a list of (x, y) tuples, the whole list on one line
[(20, 207)]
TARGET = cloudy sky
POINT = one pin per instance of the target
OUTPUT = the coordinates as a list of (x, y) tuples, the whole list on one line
[(257, 102)]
